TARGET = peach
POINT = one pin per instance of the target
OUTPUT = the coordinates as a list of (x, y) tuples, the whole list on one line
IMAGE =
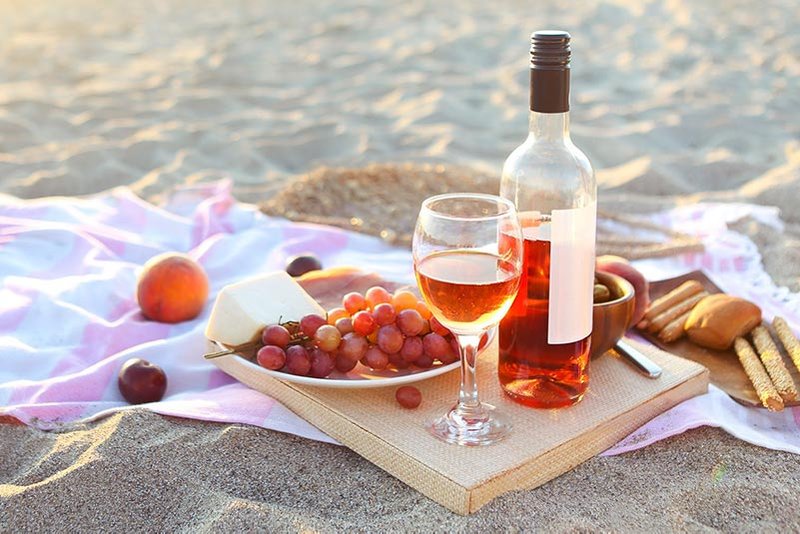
[(172, 288), (620, 266)]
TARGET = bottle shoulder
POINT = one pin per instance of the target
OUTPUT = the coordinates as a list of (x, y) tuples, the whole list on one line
[(536, 170), (543, 159)]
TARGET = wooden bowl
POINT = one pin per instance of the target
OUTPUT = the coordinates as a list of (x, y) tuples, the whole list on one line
[(611, 319)]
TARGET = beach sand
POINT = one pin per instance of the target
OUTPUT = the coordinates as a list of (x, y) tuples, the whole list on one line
[(672, 101)]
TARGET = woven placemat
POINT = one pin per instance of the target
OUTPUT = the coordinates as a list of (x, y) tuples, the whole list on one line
[(384, 199), (543, 445)]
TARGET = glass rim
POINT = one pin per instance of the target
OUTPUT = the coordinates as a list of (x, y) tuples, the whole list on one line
[(510, 208)]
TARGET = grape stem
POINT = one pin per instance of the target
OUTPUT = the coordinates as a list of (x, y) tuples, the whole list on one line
[(232, 350)]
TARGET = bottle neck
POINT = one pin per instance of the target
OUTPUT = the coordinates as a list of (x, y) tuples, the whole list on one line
[(549, 127)]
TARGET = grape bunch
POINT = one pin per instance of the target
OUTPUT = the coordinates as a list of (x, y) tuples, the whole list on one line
[(378, 329)]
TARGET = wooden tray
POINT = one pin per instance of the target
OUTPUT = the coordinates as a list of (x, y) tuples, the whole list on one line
[(543, 443), (726, 371)]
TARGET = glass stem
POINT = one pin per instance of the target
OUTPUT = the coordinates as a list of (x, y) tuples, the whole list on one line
[(469, 406)]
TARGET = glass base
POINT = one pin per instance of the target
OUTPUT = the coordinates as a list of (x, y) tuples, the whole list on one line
[(479, 427)]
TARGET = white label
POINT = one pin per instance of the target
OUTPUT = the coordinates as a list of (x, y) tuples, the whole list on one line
[(572, 237)]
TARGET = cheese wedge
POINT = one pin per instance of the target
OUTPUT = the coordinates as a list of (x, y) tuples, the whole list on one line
[(243, 309)]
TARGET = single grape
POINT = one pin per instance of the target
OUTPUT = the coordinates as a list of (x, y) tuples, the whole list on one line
[(426, 328), (300, 265), (453, 343), (353, 346), (310, 323), (483, 342), (335, 314), (424, 361), (375, 358), (423, 310), (412, 349), (271, 357), (354, 302), (344, 325), (363, 323), (344, 364), (322, 363), (297, 360), (408, 397), (384, 314), (277, 335), (450, 357), (390, 339), (377, 295), (327, 337), (436, 346), (397, 361), (410, 322), (437, 327), (404, 300)]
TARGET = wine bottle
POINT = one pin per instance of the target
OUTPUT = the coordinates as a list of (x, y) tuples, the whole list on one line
[(545, 337)]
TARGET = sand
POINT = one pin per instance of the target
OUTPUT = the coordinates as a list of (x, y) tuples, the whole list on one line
[(672, 101)]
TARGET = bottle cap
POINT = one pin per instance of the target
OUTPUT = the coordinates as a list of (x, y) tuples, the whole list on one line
[(550, 50)]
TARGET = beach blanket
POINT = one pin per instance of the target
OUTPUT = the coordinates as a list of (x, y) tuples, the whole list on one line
[(69, 317)]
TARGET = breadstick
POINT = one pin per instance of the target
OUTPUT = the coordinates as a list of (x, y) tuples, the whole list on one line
[(664, 318), (664, 302), (758, 376), (773, 363), (674, 330), (790, 342)]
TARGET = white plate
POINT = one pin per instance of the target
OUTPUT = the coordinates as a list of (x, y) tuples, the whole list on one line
[(360, 377)]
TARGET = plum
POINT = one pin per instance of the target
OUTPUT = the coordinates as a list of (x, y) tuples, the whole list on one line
[(140, 381)]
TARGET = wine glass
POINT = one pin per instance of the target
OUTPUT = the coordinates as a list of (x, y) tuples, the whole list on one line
[(467, 252)]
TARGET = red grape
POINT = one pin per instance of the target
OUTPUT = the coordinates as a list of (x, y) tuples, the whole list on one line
[(277, 335), (436, 346), (451, 356), (344, 364), (484, 341), (310, 323), (375, 358), (410, 322), (423, 310), (335, 314), (297, 360), (271, 357), (412, 349), (354, 302), (425, 361), (397, 360), (437, 327), (363, 323), (322, 363), (344, 325), (353, 346), (384, 314), (377, 295), (426, 328), (390, 339), (408, 397), (327, 337), (404, 300)]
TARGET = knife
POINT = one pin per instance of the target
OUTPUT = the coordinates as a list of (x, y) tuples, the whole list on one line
[(637, 359)]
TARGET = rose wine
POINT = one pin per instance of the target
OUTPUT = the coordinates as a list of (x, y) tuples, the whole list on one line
[(531, 370), (470, 290), (544, 339)]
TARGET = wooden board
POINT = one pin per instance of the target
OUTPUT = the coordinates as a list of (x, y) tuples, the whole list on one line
[(542, 445), (725, 370)]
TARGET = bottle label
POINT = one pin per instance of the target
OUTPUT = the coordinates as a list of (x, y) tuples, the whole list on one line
[(572, 239)]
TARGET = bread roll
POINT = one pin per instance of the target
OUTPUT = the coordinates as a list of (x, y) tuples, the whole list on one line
[(719, 319)]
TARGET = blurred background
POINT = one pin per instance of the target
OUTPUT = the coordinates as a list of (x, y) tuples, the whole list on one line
[(670, 99)]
